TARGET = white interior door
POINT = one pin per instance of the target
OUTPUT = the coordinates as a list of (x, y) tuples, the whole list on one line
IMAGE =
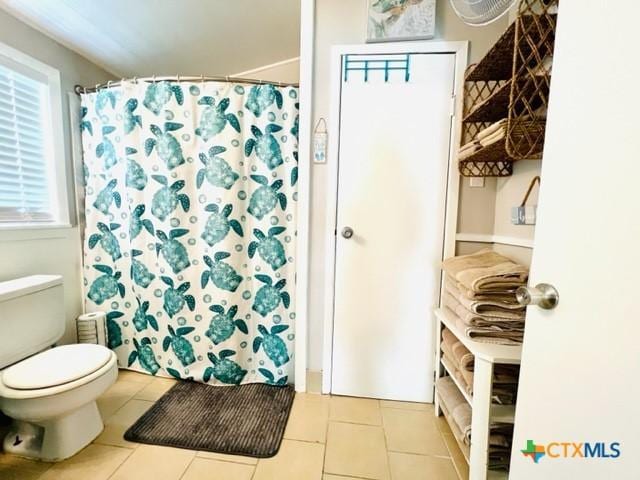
[(395, 130), (581, 361)]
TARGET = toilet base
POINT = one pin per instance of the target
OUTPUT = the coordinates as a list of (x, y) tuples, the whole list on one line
[(56, 439)]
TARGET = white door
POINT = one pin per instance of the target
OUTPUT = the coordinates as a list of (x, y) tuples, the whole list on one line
[(395, 130), (580, 379)]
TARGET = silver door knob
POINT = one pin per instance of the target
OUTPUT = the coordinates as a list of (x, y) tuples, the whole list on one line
[(543, 295), (347, 232)]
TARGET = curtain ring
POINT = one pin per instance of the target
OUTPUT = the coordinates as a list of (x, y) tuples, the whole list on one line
[(108, 84), (153, 79), (178, 77), (135, 80), (202, 80)]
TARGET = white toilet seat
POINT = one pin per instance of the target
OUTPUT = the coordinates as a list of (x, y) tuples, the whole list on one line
[(57, 370)]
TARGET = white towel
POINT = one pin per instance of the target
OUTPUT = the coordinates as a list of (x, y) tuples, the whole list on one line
[(491, 129), (493, 138), (468, 149)]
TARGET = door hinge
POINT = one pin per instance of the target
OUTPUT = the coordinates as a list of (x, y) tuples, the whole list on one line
[(452, 107)]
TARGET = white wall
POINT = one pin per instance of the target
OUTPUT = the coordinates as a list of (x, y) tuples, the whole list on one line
[(509, 193), (285, 71), (52, 251), (344, 22)]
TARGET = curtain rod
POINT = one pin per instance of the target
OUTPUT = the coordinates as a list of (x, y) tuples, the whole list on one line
[(79, 89)]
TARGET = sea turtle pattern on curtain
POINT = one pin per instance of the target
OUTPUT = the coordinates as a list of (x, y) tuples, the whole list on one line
[(191, 226)]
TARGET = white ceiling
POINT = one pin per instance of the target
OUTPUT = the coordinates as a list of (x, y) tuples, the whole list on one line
[(169, 37)]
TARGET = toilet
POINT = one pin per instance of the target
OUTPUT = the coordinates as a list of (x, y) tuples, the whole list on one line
[(49, 393)]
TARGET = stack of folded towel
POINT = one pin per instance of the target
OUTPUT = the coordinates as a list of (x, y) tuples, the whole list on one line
[(493, 133), (458, 411), (459, 363), (480, 296), (468, 149), (490, 135)]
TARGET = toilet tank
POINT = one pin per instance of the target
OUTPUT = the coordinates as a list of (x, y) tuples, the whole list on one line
[(31, 316)]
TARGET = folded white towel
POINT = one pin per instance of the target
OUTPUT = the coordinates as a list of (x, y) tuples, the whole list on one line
[(491, 129), (493, 138), (468, 149)]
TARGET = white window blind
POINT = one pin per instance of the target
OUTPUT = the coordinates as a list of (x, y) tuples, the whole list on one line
[(26, 176)]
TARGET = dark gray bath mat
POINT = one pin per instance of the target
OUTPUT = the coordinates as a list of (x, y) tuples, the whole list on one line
[(238, 420)]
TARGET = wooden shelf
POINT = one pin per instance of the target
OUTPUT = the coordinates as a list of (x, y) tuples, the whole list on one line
[(455, 380), (499, 413), (509, 354), (464, 448)]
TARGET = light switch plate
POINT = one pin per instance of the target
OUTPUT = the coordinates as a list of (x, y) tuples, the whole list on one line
[(523, 215)]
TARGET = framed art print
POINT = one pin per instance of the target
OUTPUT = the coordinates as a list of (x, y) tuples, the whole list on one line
[(394, 20)]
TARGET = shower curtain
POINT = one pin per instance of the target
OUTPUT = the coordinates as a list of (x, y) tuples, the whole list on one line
[(190, 227)]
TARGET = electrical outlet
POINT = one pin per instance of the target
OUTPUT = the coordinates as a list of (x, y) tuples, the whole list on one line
[(476, 182)]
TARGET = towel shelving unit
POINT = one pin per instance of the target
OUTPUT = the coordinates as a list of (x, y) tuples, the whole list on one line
[(483, 411), (511, 82)]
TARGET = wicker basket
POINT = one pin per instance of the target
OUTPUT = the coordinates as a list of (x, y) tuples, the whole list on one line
[(511, 81)]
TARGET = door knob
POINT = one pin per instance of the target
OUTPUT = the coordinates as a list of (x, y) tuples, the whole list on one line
[(543, 295), (347, 232)]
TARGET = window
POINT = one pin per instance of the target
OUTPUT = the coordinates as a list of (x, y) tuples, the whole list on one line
[(32, 166)]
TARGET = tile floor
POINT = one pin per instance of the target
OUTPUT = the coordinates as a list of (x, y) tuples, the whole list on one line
[(327, 438)]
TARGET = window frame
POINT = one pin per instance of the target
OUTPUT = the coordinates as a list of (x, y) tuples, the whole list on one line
[(54, 141)]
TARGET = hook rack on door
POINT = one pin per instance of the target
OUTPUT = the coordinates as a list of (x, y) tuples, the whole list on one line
[(385, 65)]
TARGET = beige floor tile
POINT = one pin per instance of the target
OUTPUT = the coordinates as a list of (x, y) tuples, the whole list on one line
[(423, 407), (308, 420), (313, 397), (119, 422), (131, 376), (459, 462), (149, 462), (228, 458), (116, 396), (410, 431), (355, 410), (155, 389), (96, 462), (294, 461), (328, 476), (356, 450), (16, 468), (405, 466), (204, 469)]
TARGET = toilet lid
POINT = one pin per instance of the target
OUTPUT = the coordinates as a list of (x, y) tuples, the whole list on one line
[(56, 366)]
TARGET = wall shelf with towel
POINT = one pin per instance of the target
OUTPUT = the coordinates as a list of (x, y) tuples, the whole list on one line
[(490, 352), (499, 413), (511, 83), (480, 327), (486, 356)]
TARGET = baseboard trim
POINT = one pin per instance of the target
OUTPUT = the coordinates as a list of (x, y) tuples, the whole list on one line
[(314, 381)]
